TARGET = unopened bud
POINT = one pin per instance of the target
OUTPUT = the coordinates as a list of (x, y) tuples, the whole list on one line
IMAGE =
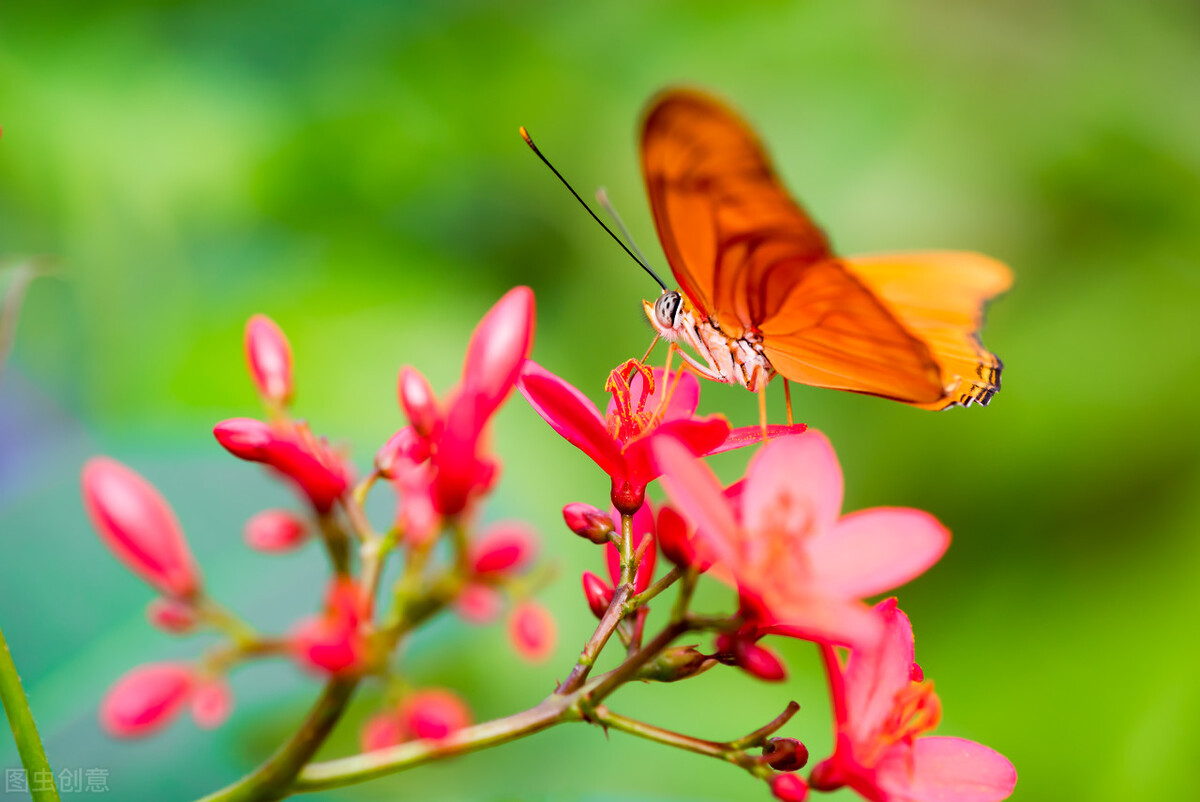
[(675, 543), (418, 401), (269, 358), (674, 664), (588, 522), (785, 754), (176, 616), (275, 530), (532, 631), (597, 592), (405, 444), (505, 547), (759, 661), (245, 438), (789, 788)]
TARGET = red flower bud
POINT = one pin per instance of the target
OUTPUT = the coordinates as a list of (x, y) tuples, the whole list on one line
[(294, 452), (759, 661), (676, 543), (212, 702), (381, 731), (433, 713), (785, 754), (245, 438), (499, 347), (478, 604), (138, 525), (532, 631), (504, 547), (275, 530), (916, 673), (146, 699), (588, 522), (331, 642), (270, 359), (597, 592), (418, 401), (789, 788), (406, 445), (171, 615)]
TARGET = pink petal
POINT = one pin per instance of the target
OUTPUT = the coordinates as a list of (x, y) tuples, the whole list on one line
[(795, 483), (874, 675), (500, 344), (749, 435), (701, 436), (699, 497), (571, 414), (943, 769), (875, 550), (836, 622)]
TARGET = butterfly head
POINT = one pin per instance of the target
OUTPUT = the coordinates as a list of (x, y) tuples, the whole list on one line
[(665, 314)]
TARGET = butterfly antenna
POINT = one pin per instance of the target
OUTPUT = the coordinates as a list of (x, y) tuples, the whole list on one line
[(606, 205), (624, 247)]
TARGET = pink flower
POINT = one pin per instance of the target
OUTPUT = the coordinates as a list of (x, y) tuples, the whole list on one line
[(882, 709), (138, 526), (503, 548), (499, 346), (381, 731), (292, 450), (532, 631), (333, 642), (800, 567), (212, 702), (642, 530), (269, 358), (619, 441), (275, 530), (433, 713), (478, 604), (418, 401), (146, 699)]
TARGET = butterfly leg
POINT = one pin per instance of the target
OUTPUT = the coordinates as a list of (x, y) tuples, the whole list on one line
[(762, 410), (653, 343), (787, 394)]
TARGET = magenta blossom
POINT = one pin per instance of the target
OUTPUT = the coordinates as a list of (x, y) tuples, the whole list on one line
[(620, 440), (801, 567), (882, 705)]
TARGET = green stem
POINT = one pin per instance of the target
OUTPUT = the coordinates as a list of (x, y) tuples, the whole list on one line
[(721, 751), (658, 587), (358, 768), (274, 779), (20, 718)]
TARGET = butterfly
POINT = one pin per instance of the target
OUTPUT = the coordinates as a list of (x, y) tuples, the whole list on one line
[(761, 291)]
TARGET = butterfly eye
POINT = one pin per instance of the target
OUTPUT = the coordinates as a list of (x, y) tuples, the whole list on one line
[(665, 309)]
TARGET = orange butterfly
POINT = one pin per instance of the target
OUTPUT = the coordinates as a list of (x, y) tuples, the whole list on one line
[(763, 292)]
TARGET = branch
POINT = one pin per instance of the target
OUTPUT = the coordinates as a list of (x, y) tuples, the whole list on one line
[(273, 780), (358, 768)]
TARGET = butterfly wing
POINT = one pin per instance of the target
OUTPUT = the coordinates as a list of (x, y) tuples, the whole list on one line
[(939, 297), (749, 258), (723, 217)]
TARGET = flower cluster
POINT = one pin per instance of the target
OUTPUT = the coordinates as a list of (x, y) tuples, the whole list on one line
[(441, 471), (798, 567)]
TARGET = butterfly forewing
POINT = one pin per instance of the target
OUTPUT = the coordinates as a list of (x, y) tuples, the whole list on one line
[(751, 261)]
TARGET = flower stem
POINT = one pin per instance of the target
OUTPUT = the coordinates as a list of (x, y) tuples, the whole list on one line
[(358, 768), (604, 630), (20, 718), (658, 587), (729, 752), (274, 779)]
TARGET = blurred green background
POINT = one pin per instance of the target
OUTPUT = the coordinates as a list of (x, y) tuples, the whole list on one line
[(354, 171)]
